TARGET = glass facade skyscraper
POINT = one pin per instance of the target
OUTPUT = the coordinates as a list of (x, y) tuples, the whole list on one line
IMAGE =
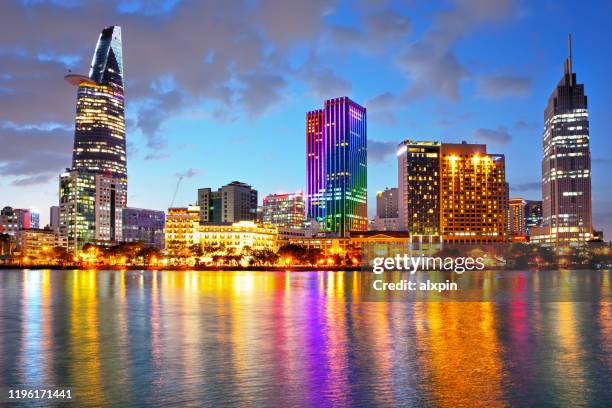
[(93, 192), (419, 187), (457, 191), (91, 206), (566, 165), (99, 136), (336, 166), (78, 208)]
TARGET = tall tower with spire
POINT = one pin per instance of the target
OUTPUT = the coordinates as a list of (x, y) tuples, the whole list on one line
[(99, 134), (93, 192), (566, 165)]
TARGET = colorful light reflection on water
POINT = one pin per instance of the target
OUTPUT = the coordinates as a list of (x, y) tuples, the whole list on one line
[(131, 338)]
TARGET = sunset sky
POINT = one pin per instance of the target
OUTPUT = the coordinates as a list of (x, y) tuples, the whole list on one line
[(218, 91)]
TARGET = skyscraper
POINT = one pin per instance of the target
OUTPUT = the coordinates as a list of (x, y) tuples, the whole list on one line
[(566, 165), (457, 191), (336, 166), (94, 191), (419, 187), (99, 135)]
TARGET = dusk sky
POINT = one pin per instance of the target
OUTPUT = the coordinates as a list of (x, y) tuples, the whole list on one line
[(218, 91)]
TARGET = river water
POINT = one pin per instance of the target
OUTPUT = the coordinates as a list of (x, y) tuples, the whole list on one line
[(276, 339)]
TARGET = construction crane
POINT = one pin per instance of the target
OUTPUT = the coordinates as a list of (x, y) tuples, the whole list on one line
[(178, 183)]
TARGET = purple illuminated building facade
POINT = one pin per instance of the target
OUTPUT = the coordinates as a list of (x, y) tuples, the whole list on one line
[(336, 166), (142, 225)]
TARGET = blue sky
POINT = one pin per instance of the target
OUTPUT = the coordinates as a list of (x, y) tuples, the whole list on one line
[(219, 92)]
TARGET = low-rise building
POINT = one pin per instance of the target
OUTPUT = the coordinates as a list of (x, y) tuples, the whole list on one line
[(38, 244), (235, 237), (284, 210), (142, 225), (16, 219), (385, 224)]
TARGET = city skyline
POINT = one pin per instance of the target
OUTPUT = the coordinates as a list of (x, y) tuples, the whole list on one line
[(522, 160)]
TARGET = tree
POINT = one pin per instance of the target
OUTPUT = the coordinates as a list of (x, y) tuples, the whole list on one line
[(148, 254), (60, 255)]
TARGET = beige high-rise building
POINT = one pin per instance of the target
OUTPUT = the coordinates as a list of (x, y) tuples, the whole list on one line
[(457, 191), (516, 217)]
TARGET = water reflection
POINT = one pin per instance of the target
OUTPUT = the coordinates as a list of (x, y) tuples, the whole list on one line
[(298, 339)]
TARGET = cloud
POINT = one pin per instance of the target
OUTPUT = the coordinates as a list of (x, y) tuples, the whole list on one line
[(604, 161), (529, 186), (31, 181), (189, 173), (156, 110), (378, 151), (383, 101), (378, 29), (323, 83), (430, 62), (432, 70), (498, 87), (498, 136), (285, 22), (34, 154), (383, 107), (160, 156), (227, 54), (262, 92), (523, 125), (385, 27)]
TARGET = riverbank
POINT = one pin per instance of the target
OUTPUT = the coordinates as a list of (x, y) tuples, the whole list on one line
[(187, 268), (268, 268)]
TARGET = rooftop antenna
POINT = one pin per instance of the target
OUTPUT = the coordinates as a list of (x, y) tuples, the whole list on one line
[(568, 62)]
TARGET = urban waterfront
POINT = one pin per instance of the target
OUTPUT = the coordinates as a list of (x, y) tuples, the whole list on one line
[(159, 338)]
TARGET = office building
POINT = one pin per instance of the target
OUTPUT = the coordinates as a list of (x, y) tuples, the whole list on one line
[(99, 136), (54, 218), (91, 206), (37, 244), (34, 220), (15, 219), (533, 214), (457, 191), (284, 210), (566, 165), (387, 203), (94, 191), (419, 207), (146, 226), (181, 229), (516, 217), (385, 224), (336, 166), (233, 202)]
